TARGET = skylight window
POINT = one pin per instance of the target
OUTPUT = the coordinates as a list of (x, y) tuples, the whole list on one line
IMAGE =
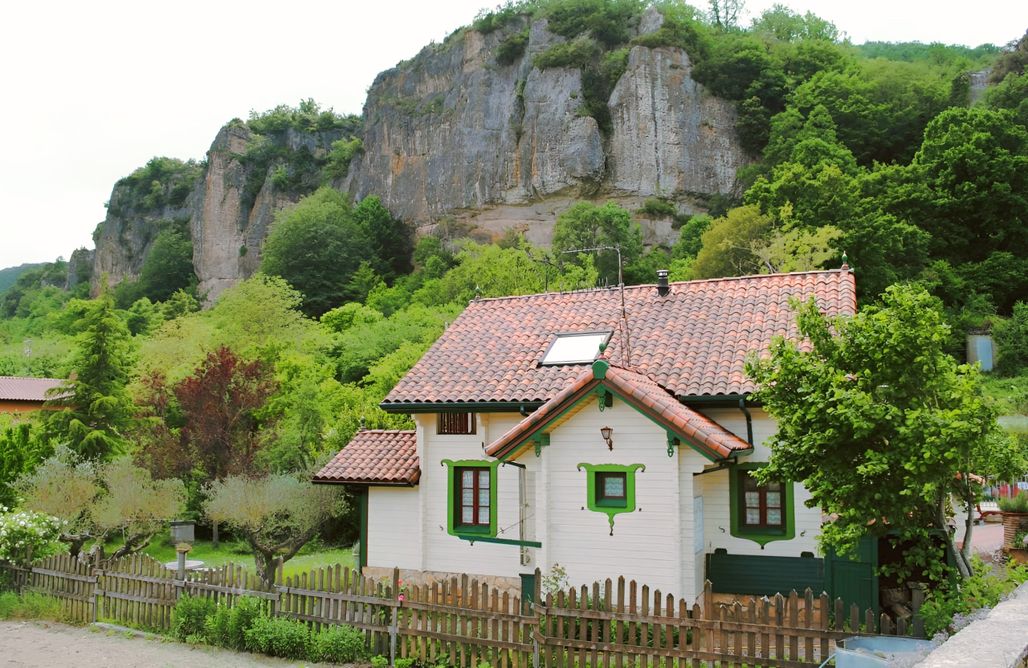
[(575, 348)]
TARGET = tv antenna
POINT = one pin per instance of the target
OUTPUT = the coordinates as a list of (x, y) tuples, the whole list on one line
[(625, 338)]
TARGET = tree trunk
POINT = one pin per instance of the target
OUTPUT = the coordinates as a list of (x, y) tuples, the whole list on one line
[(75, 542), (266, 563), (965, 550), (133, 544), (214, 536), (957, 556)]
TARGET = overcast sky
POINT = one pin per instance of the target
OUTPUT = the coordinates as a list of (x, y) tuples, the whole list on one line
[(92, 90)]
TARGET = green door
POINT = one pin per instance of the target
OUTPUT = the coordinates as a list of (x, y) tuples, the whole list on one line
[(853, 579)]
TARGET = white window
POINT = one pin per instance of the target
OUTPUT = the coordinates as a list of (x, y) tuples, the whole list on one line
[(575, 348)]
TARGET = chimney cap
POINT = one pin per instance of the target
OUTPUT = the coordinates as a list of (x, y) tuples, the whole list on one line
[(662, 285)]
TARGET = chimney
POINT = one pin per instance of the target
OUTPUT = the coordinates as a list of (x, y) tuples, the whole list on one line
[(663, 289)]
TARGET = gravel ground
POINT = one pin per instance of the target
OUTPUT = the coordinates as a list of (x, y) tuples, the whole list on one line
[(47, 644)]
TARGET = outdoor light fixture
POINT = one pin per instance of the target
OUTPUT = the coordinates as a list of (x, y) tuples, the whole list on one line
[(605, 432)]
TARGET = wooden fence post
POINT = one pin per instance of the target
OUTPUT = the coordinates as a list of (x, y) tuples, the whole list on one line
[(394, 622)]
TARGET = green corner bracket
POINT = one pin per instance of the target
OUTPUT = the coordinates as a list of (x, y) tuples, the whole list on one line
[(672, 442), (591, 490), (541, 441)]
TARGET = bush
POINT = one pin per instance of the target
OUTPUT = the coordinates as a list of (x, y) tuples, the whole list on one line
[(241, 617), (1016, 504), (512, 47), (215, 627), (189, 618), (25, 536), (339, 644), (982, 590), (285, 638), (1012, 341)]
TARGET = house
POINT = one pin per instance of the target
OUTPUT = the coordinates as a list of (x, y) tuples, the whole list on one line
[(607, 431), (21, 395)]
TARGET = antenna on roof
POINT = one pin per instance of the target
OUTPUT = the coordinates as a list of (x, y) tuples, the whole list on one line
[(626, 339)]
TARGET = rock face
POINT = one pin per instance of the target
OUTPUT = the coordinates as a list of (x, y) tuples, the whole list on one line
[(125, 236), (452, 133), (226, 226), (670, 137)]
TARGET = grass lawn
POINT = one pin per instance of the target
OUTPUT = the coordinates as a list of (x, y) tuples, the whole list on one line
[(230, 551), (1011, 394)]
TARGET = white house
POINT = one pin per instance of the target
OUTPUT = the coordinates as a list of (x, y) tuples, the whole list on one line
[(610, 432)]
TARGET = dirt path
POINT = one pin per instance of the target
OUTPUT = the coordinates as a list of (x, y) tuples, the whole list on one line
[(45, 644)]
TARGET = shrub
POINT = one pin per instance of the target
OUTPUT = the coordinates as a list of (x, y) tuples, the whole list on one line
[(25, 536), (379, 661), (189, 618), (982, 590), (512, 47), (1012, 341), (285, 638), (654, 207), (215, 627), (241, 617), (339, 644), (1015, 504)]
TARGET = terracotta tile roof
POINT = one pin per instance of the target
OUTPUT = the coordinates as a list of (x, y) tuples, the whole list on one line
[(13, 388), (375, 456), (693, 342), (645, 395)]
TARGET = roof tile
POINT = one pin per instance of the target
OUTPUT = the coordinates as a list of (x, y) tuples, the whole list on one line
[(375, 456), (13, 388), (692, 342)]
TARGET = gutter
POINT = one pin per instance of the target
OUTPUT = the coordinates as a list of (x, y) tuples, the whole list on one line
[(523, 407), (749, 421)]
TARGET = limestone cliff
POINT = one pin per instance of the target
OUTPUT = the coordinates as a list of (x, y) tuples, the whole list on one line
[(452, 133)]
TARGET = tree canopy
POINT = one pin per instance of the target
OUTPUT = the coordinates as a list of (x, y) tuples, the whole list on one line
[(881, 425)]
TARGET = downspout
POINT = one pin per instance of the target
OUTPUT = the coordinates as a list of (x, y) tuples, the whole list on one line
[(749, 421), (363, 550)]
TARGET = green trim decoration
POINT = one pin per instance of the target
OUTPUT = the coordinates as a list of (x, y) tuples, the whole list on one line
[(606, 397), (760, 536), (600, 369), (672, 441), (452, 527), (541, 441), (362, 554), (609, 510)]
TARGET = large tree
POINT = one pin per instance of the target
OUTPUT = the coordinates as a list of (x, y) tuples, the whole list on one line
[(316, 246), (591, 226), (881, 425), (277, 515), (94, 501), (95, 408)]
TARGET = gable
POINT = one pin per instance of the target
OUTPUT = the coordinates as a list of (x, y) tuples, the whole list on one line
[(604, 384)]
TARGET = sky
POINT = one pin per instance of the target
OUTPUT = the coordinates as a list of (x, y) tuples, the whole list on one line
[(92, 90)]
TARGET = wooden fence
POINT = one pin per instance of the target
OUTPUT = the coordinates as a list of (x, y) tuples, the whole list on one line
[(464, 622)]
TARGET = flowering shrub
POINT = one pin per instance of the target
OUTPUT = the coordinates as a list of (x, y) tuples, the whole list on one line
[(25, 536)]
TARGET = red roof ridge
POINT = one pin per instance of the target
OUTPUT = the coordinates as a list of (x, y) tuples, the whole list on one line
[(640, 286)]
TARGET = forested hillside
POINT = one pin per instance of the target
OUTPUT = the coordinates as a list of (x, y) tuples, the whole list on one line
[(887, 156)]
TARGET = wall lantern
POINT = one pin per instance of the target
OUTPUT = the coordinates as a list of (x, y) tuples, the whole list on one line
[(606, 432)]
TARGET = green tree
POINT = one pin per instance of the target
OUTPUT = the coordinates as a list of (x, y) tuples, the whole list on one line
[(880, 425), (94, 407), (168, 266), (588, 225), (727, 245), (276, 515), (391, 240), (316, 246), (1012, 341)]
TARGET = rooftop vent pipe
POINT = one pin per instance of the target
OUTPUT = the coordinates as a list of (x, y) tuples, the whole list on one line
[(663, 289)]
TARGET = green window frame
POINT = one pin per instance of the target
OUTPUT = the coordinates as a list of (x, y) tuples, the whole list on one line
[(597, 497), (481, 475), (611, 489), (761, 513)]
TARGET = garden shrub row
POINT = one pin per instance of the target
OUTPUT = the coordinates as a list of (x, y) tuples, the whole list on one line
[(248, 625)]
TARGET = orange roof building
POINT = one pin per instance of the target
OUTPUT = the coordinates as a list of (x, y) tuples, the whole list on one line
[(608, 431)]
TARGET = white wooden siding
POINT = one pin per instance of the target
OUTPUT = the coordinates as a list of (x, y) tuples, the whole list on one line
[(394, 527), (717, 508), (646, 544), (441, 551)]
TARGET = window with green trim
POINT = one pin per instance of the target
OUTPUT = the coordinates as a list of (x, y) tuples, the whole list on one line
[(611, 489), (761, 513), (471, 496), (473, 506)]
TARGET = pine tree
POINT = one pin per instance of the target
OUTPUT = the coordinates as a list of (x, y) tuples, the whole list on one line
[(95, 408)]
